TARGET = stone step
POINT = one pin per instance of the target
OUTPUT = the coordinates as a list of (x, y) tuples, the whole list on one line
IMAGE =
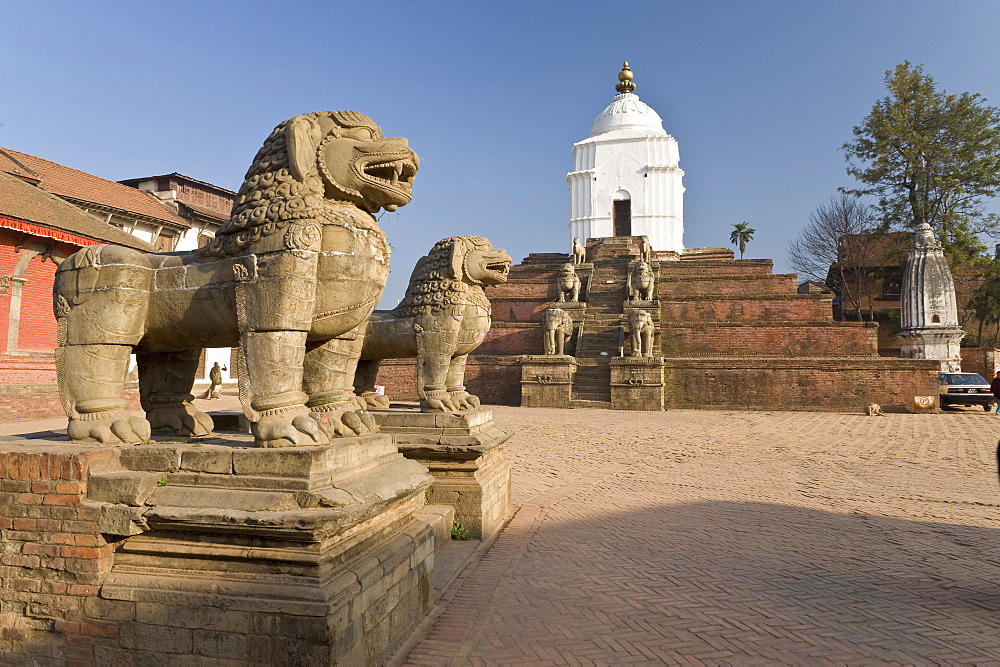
[(588, 404)]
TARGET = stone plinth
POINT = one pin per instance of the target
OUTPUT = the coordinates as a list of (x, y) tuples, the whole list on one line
[(637, 383), (224, 551), (547, 380), (464, 453), (942, 343)]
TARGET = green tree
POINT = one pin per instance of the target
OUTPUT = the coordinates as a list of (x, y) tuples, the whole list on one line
[(985, 301), (929, 157), (741, 235)]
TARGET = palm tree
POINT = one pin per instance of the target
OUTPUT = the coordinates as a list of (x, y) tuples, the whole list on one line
[(741, 235)]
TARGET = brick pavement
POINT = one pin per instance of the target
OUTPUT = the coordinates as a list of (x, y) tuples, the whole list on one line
[(708, 537)]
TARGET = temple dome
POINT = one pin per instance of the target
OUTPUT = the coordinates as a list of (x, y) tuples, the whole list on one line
[(628, 112)]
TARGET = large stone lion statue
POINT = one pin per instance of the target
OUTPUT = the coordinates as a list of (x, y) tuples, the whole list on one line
[(444, 316), (291, 279)]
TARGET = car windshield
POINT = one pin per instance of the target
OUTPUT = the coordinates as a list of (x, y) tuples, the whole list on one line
[(963, 378)]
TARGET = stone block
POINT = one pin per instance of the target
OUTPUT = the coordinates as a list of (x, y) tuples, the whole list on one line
[(217, 460), (162, 638), (123, 488), (547, 380), (924, 404), (109, 610), (151, 458), (439, 518), (637, 384)]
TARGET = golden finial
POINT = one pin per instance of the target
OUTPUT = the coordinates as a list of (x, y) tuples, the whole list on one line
[(625, 84)]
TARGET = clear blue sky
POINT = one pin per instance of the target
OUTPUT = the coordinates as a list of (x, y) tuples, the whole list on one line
[(760, 96)]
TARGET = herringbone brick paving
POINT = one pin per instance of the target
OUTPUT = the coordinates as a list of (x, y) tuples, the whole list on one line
[(707, 537)]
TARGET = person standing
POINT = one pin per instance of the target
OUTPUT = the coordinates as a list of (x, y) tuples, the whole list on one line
[(995, 388), (215, 377)]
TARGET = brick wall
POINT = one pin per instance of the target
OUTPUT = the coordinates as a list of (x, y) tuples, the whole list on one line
[(798, 384), (805, 308), (27, 402), (52, 554), (22, 370), (38, 323), (784, 339), (494, 379), (984, 361)]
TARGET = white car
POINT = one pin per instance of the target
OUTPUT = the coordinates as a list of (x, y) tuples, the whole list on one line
[(965, 389)]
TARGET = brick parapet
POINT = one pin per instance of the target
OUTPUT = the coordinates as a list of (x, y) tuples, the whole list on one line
[(803, 383), (52, 554), (778, 339)]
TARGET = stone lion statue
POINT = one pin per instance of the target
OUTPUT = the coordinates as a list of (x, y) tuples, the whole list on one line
[(641, 282), (640, 328), (557, 328), (568, 283), (444, 316), (579, 251), (291, 279)]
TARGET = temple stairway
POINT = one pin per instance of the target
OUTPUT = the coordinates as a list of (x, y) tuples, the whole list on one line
[(601, 335)]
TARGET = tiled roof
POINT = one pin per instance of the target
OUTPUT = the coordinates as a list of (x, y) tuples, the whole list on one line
[(10, 165), (180, 177), (81, 186), (207, 212), (23, 201)]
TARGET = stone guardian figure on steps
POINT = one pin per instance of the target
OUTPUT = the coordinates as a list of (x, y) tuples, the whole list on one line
[(640, 327), (557, 328), (579, 251), (641, 282), (568, 284), (291, 279)]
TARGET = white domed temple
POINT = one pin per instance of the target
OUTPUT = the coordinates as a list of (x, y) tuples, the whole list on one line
[(626, 180)]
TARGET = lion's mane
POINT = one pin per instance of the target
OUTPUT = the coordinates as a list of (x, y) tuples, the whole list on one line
[(271, 197), (440, 282)]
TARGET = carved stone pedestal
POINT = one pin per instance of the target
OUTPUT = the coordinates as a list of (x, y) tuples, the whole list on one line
[(637, 383), (307, 556), (464, 453), (547, 380)]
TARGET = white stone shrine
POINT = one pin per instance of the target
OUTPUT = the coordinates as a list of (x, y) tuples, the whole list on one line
[(928, 310), (626, 179)]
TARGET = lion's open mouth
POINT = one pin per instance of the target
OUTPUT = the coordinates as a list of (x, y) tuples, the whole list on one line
[(503, 268), (393, 172)]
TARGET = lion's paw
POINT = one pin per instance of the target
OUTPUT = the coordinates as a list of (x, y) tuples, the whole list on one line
[(115, 427), (464, 400), (182, 419), (439, 401), (369, 400), (292, 428), (343, 419)]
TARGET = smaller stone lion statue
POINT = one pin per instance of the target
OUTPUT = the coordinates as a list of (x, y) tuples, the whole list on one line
[(568, 284), (641, 282), (640, 328), (444, 316), (579, 251), (557, 328)]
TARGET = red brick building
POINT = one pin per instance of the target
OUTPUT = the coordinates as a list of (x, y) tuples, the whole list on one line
[(37, 231)]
